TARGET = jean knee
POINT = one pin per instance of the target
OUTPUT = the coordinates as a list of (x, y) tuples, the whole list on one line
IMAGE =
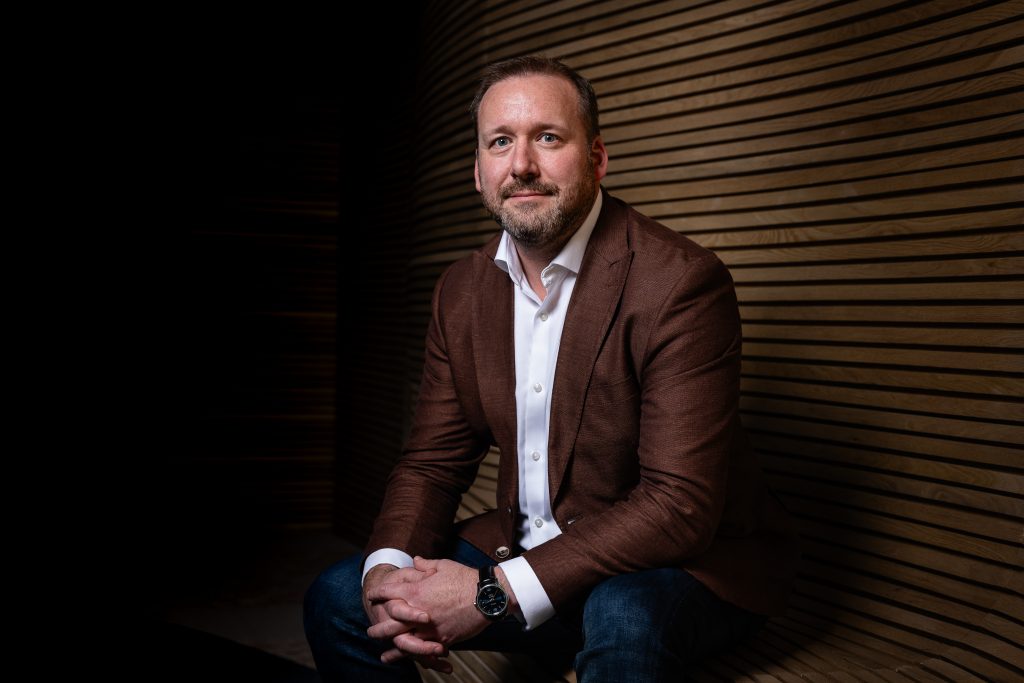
[(623, 609), (335, 595)]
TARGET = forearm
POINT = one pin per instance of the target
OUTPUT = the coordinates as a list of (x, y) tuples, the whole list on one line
[(416, 516), (439, 461), (532, 605), (627, 537), (514, 607)]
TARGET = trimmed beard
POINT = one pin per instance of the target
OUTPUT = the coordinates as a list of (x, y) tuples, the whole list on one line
[(534, 227)]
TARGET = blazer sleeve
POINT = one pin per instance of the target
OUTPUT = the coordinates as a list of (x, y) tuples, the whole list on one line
[(689, 428), (440, 458)]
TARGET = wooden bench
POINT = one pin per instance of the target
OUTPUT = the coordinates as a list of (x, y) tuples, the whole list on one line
[(893, 587)]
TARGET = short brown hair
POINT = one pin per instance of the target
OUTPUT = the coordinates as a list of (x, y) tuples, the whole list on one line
[(535, 64)]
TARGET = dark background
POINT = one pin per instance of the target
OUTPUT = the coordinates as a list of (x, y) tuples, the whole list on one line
[(248, 311)]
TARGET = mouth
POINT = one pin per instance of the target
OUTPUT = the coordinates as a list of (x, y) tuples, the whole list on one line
[(526, 195)]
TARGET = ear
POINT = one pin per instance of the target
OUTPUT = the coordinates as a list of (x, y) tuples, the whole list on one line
[(476, 170), (599, 157)]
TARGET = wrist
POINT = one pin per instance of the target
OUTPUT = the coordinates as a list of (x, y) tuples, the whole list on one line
[(513, 603), (377, 572)]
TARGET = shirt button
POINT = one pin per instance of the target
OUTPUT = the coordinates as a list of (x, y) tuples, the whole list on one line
[(537, 387), (544, 317), (535, 455), (538, 522)]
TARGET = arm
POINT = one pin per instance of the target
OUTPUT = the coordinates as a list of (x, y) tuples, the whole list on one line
[(688, 429), (438, 465), (440, 459)]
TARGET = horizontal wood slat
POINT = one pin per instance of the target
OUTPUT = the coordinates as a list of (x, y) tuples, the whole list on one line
[(965, 360), (859, 167), (905, 88)]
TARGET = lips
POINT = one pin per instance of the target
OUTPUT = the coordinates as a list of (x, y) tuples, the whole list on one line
[(524, 192)]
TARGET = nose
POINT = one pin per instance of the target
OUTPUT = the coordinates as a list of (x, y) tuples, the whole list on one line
[(524, 164)]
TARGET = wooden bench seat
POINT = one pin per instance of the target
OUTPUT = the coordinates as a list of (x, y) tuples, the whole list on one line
[(892, 588)]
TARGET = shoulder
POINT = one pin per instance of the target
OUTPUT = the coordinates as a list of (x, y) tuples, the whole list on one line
[(661, 256), (472, 272)]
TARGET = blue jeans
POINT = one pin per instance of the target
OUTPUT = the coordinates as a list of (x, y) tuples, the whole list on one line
[(645, 626)]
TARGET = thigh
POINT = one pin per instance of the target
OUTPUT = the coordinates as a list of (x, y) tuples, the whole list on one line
[(665, 610), (335, 624), (337, 593)]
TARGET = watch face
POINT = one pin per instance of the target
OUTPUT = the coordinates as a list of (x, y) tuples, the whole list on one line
[(492, 600)]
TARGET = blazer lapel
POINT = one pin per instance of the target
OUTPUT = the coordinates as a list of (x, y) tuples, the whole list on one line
[(594, 301), (495, 365)]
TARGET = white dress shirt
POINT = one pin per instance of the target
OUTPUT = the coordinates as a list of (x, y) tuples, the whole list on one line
[(538, 334)]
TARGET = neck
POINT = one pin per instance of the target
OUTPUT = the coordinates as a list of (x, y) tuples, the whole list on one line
[(535, 258)]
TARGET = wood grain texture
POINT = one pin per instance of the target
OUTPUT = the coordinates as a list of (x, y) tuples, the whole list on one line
[(859, 166)]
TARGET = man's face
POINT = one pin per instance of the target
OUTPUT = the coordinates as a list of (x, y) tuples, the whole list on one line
[(536, 171)]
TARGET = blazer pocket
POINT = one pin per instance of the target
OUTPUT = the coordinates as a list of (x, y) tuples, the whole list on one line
[(612, 393)]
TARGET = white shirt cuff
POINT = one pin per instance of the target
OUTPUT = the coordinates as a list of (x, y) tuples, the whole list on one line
[(532, 597), (387, 556)]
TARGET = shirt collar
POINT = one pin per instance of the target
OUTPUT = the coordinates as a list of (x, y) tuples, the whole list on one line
[(570, 257)]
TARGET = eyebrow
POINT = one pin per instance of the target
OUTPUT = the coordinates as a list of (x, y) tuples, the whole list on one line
[(503, 129)]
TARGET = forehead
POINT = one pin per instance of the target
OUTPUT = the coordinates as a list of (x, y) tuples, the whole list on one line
[(529, 99)]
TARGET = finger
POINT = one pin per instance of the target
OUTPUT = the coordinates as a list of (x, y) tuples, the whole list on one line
[(378, 614), (388, 591), (407, 575), (423, 564), (413, 645), (400, 610), (391, 656), (387, 629)]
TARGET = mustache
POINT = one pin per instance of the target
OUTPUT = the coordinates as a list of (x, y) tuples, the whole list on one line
[(519, 186)]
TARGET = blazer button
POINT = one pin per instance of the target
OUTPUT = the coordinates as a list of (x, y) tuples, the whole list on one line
[(502, 552)]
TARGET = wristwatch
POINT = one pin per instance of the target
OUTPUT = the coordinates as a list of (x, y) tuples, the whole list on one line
[(491, 599)]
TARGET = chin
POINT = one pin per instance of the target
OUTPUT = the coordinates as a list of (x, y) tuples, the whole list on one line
[(530, 237)]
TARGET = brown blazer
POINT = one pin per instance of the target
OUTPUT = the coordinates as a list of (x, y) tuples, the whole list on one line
[(648, 462)]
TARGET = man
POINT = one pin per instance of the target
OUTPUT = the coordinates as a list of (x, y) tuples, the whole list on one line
[(600, 351)]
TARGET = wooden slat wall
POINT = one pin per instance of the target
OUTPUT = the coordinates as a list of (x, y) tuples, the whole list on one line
[(379, 333), (255, 425), (859, 166)]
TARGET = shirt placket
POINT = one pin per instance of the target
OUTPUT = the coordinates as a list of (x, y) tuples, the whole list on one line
[(538, 400)]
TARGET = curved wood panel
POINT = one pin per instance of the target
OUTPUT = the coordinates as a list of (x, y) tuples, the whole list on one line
[(859, 166)]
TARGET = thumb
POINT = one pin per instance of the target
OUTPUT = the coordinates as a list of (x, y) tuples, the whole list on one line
[(425, 565)]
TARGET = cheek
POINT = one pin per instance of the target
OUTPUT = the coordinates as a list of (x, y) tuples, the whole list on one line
[(490, 178), (568, 169)]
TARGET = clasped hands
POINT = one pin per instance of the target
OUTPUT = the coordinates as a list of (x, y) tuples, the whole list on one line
[(422, 609)]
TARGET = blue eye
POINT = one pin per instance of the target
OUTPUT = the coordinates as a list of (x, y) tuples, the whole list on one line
[(502, 142), (549, 137)]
